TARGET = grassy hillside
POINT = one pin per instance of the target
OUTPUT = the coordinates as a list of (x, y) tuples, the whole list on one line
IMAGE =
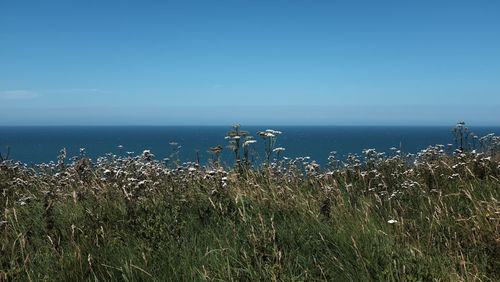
[(430, 216)]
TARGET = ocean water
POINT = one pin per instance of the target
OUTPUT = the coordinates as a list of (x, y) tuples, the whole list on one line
[(37, 144)]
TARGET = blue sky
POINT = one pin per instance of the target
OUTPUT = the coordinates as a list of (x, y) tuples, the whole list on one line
[(251, 62)]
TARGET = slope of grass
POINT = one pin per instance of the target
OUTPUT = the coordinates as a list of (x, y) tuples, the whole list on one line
[(133, 219)]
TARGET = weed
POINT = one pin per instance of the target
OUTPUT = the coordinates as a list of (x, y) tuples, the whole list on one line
[(425, 216)]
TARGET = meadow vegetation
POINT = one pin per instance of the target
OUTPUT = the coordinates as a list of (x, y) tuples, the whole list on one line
[(433, 215)]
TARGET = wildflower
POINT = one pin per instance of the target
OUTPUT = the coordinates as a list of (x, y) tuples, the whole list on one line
[(272, 131), (147, 154), (392, 221), (248, 142)]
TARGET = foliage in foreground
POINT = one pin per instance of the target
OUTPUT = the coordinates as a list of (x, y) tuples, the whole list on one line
[(434, 216)]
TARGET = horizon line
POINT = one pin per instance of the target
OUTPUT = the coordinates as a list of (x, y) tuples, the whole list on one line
[(243, 125)]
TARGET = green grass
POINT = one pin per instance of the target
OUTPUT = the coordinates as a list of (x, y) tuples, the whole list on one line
[(77, 222)]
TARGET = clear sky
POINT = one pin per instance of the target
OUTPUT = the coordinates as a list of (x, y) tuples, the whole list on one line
[(251, 62)]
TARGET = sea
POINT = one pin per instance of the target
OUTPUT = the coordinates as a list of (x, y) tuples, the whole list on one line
[(42, 144)]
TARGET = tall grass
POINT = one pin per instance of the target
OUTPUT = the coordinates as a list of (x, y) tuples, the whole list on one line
[(434, 215)]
